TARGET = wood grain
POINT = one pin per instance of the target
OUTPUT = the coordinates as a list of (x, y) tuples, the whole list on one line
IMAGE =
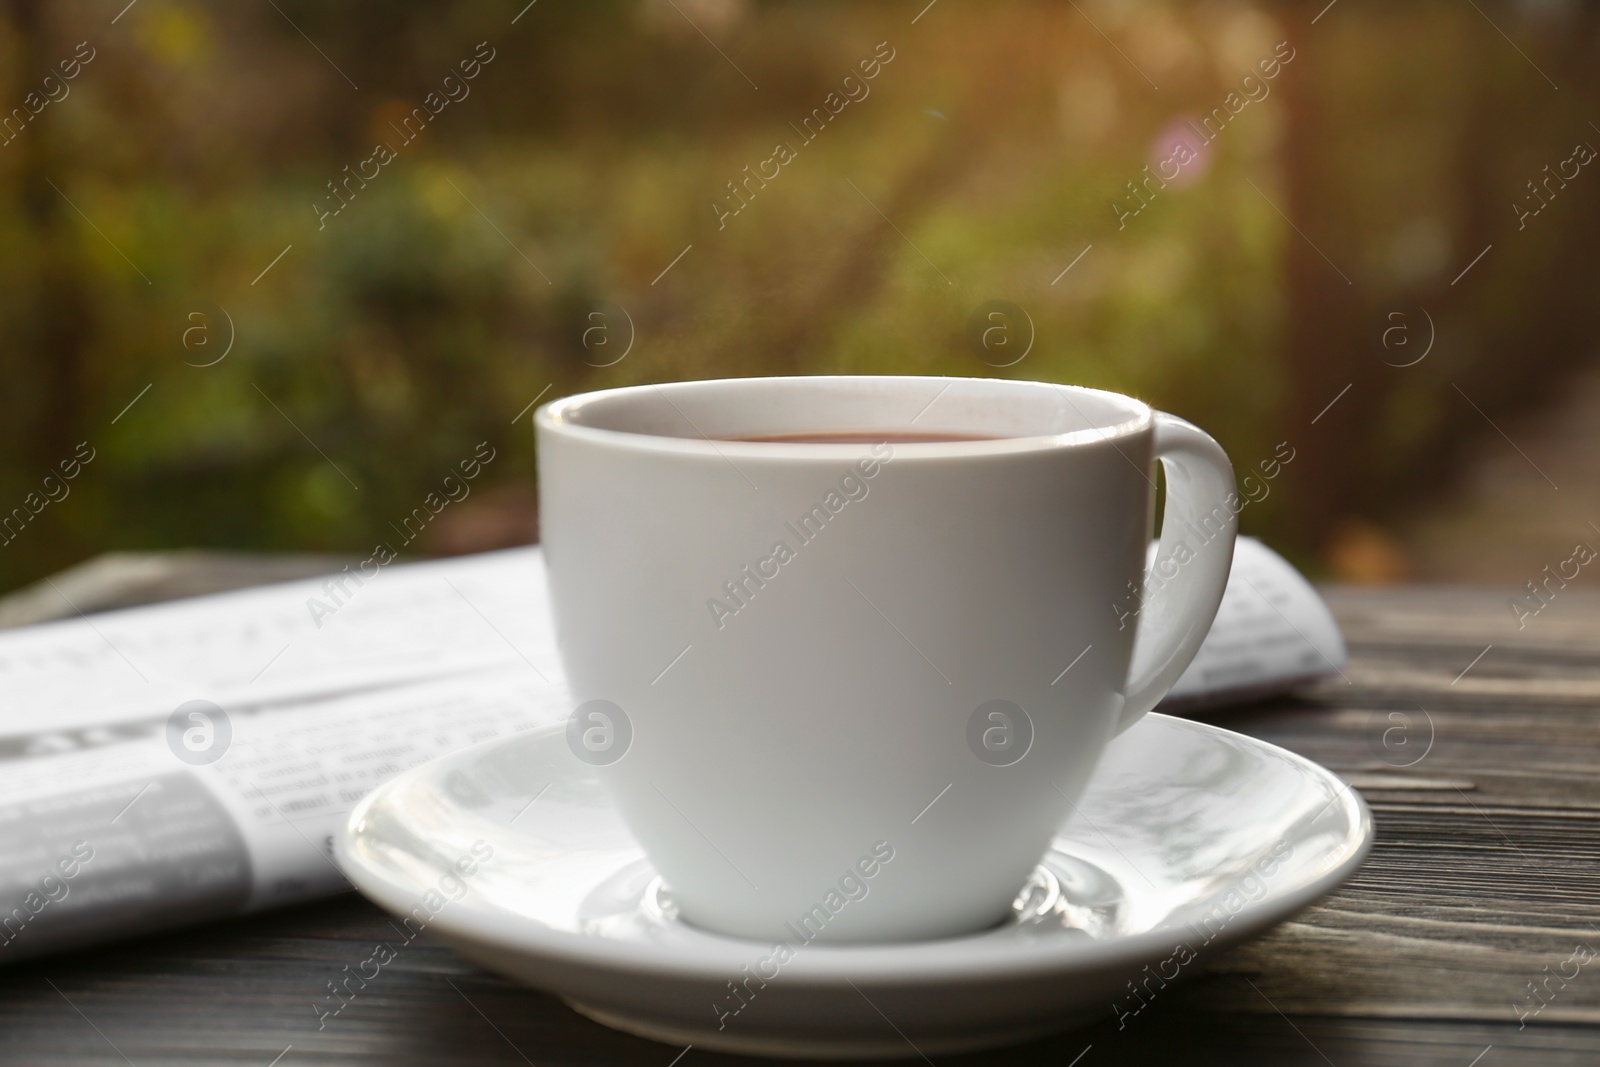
[(1486, 872)]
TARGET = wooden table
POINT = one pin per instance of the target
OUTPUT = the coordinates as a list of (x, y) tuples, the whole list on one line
[(1481, 764)]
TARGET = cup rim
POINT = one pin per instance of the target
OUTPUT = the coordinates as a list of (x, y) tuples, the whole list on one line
[(561, 416)]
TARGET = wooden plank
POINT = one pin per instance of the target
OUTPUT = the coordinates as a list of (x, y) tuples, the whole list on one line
[(1486, 872)]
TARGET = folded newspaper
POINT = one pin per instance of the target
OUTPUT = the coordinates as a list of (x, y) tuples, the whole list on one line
[(188, 761)]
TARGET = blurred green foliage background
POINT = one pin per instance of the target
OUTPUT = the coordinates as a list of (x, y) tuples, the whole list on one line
[(164, 209)]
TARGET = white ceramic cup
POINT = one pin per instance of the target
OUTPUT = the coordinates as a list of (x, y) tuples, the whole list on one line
[(847, 691)]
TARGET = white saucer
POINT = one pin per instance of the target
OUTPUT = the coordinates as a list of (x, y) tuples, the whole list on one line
[(1191, 839)]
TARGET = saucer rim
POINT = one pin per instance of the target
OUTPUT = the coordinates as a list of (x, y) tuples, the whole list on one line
[(930, 963)]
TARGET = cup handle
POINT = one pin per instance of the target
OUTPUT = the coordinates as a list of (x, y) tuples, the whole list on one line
[(1177, 615)]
